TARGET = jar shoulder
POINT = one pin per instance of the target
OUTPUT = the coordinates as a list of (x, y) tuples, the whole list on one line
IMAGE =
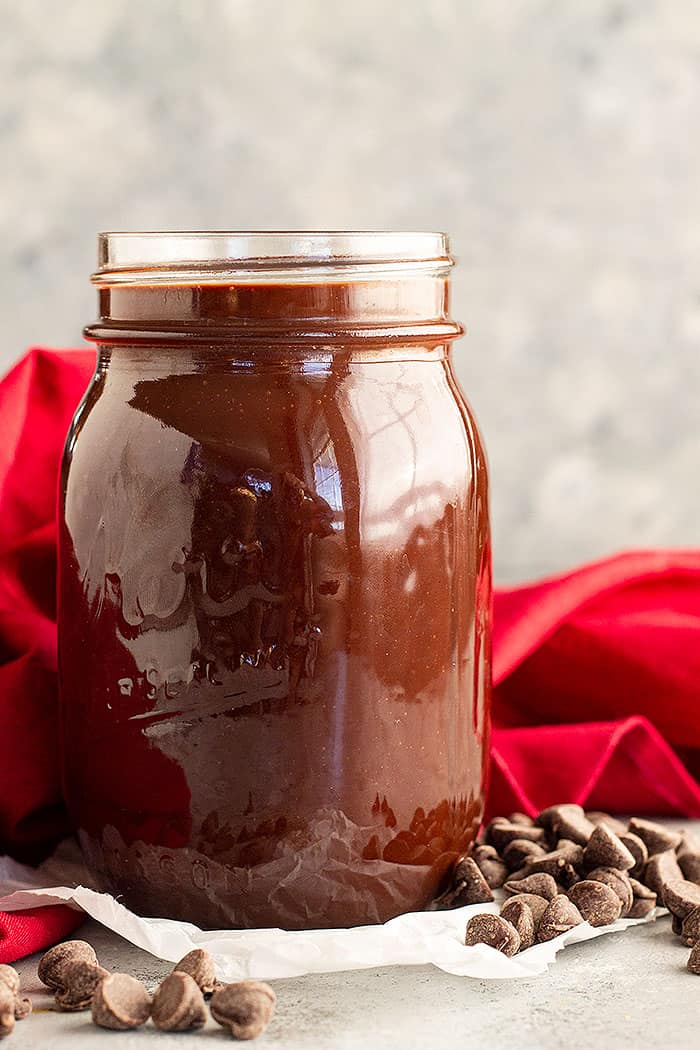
[(395, 417)]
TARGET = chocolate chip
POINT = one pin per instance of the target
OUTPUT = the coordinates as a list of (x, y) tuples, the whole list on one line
[(485, 852), (558, 864), (493, 930), (597, 817), (521, 818), (178, 1005), (23, 1007), (644, 901), (520, 851), (638, 850), (572, 851), (690, 842), (617, 881), (467, 886), (655, 837), (545, 818), (660, 869), (598, 903), (640, 890), (641, 907), (605, 850), (7, 1010), (474, 889), (541, 884), (246, 1008), (488, 830), (491, 867), (567, 821), (502, 834), (521, 918), (689, 864), (495, 872), (120, 1002), (690, 930), (53, 963), (681, 896), (515, 876), (199, 964), (694, 959), (561, 915), (570, 822), (10, 977), (80, 979), (537, 905)]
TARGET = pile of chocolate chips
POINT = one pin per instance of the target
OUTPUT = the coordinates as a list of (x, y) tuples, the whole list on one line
[(567, 866), (121, 1002)]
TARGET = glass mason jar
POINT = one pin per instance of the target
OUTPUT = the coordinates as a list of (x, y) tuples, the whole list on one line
[(274, 580)]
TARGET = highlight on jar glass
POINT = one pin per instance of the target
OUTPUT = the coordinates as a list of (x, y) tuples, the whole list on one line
[(274, 580)]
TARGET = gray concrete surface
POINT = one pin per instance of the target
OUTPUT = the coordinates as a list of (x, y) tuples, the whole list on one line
[(624, 990), (555, 141)]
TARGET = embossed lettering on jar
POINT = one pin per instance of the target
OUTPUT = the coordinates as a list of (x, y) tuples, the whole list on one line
[(275, 580)]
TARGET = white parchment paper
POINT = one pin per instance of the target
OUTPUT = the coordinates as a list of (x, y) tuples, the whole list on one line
[(409, 940)]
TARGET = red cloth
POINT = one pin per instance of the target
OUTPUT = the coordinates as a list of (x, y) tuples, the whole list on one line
[(597, 676), (597, 671), (25, 932)]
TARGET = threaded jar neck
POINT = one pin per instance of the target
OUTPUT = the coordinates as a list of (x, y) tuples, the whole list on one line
[(296, 285)]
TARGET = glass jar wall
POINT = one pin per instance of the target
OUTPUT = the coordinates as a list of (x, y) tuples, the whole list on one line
[(274, 580)]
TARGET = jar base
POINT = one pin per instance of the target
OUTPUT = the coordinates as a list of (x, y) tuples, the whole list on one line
[(326, 884)]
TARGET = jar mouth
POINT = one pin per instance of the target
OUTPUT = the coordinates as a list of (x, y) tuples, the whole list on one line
[(257, 257)]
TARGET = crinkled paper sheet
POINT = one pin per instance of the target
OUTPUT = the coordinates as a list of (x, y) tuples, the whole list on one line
[(409, 940)]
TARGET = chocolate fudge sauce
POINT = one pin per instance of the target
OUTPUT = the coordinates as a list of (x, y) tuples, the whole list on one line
[(274, 614)]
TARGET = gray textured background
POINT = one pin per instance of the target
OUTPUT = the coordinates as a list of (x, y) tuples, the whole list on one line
[(557, 140)]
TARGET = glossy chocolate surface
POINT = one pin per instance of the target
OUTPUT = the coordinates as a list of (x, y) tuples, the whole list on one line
[(274, 609)]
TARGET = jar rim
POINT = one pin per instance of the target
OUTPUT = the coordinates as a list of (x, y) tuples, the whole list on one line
[(221, 256)]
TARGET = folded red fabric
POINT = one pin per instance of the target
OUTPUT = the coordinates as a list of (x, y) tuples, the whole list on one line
[(596, 699), (596, 670), (24, 932)]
